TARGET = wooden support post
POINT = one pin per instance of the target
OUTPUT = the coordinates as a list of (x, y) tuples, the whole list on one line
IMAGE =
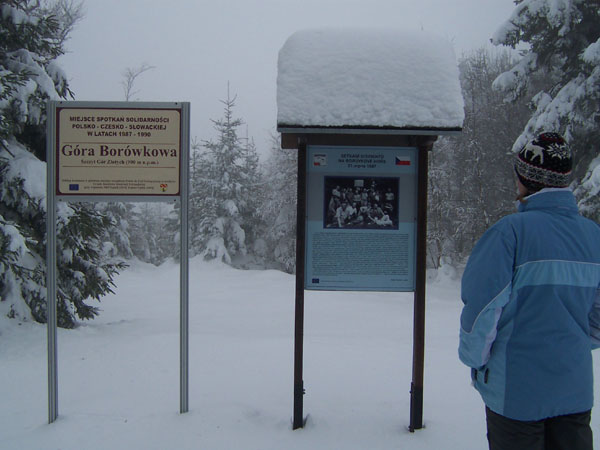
[(416, 387), (298, 419)]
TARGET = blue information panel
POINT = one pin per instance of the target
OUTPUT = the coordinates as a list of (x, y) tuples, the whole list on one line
[(361, 218)]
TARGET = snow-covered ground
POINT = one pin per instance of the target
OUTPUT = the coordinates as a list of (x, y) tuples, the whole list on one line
[(119, 374)]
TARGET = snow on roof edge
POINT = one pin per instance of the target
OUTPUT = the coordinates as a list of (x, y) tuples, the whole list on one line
[(368, 78), (355, 129)]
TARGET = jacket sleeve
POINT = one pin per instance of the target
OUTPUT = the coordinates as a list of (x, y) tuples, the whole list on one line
[(595, 322), (486, 289)]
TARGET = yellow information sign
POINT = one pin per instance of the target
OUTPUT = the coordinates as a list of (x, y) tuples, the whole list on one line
[(118, 151)]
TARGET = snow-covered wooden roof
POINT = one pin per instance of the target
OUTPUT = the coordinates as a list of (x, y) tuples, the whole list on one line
[(368, 79)]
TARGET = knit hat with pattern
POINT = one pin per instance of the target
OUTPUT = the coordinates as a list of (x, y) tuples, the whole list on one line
[(546, 161)]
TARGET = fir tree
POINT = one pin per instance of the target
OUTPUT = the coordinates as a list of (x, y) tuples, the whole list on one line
[(117, 233), (589, 191), (563, 41), (150, 238), (253, 196), (279, 206), (219, 199), (197, 211), (471, 176), (32, 35)]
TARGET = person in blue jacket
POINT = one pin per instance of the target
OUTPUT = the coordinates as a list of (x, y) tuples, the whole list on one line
[(531, 315)]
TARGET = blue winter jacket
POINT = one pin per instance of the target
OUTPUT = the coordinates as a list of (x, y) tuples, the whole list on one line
[(531, 316)]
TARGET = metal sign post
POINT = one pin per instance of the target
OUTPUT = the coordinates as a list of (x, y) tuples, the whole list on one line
[(116, 151), (51, 269), (184, 267)]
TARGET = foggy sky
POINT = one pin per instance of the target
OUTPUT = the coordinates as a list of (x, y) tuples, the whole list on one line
[(197, 47)]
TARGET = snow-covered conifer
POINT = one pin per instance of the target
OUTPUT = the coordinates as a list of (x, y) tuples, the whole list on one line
[(471, 182), (279, 207), (32, 34), (219, 197), (253, 192), (150, 229), (562, 39)]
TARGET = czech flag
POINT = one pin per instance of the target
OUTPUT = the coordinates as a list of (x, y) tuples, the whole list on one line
[(403, 160)]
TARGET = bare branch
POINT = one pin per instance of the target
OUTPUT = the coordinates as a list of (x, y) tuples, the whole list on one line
[(68, 13), (130, 74)]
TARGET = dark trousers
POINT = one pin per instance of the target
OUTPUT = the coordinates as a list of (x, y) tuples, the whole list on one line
[(569, 432)]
